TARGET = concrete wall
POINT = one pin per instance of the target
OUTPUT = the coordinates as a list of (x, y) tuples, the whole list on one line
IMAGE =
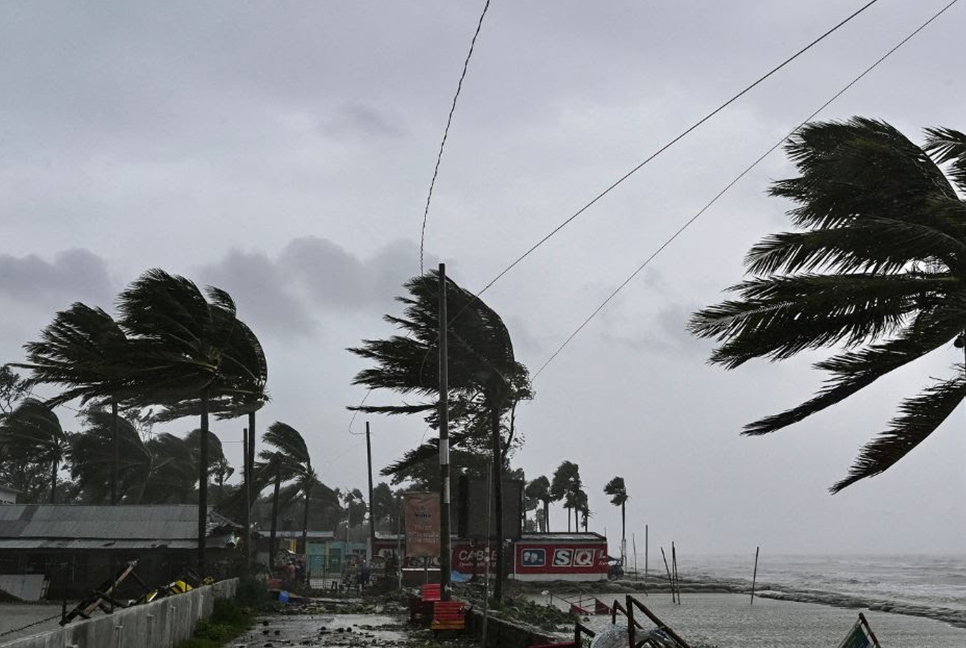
[(501, 633), (161, 624)]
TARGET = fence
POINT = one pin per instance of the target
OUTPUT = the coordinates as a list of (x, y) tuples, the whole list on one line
[(161, 624)]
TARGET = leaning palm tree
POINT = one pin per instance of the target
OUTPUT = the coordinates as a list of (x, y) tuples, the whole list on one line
[(192, 355), (84, 352), (877, 264), (618, 497), (485, 381), (539, 491), (286, 458), (108, 459), (565, 487), (32, 434)]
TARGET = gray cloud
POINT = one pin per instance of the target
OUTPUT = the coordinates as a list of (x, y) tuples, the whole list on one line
[(354, 120), (72, 275)]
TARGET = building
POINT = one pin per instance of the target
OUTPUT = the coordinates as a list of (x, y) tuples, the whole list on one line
[(560, 556), (78, 547), (8, 495)]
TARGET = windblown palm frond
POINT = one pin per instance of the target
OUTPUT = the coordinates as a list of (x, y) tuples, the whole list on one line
[(92, 459), (879, 268), (617, 491)]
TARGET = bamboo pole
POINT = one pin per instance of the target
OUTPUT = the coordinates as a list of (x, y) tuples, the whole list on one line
[(674, 564), (670, 579), (754, 577)]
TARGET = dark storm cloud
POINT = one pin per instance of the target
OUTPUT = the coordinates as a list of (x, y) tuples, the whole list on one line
[(312, 280), (72, 275)]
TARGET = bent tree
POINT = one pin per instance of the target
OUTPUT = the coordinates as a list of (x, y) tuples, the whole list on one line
[(876, 264), (485, 381)]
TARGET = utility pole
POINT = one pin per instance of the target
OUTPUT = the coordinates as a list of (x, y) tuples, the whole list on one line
[(445, 540), (247, 474), (372, 515)]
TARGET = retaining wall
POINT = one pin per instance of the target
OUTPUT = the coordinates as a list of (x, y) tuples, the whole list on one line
[(161, 624)]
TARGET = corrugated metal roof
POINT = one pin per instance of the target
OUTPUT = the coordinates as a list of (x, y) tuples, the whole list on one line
[(156, 523)]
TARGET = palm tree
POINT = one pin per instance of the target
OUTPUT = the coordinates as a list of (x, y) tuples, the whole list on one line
[(485, 380), (566, 486), (85, 352), (193, 355), (582, 506), (878, 264), (539, 491), (108, 459), (618, 497), (287, 459), (173, 469), (32, 433)]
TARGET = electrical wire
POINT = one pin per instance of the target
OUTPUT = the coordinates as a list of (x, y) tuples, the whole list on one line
[(737, 178), (442, 144), (671, 143)]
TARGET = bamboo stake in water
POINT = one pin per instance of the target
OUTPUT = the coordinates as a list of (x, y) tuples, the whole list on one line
[(674, 564), (645, 560), (634, 545), (755, 576), (670, 580)]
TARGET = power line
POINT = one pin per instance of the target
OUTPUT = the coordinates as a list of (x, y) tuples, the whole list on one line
[(671, 143), (735, 181), (442, 144)]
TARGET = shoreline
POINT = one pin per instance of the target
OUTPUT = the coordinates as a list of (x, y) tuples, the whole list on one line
[(655, 585)]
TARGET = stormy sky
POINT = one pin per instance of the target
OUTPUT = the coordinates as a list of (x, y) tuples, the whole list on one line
[(283, 151)]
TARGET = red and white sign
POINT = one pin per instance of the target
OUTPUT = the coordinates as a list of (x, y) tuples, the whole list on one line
[(561, 560), (465, 555)]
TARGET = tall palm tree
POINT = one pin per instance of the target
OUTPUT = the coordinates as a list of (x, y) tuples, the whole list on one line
[(485, 380), (286, 458), (32, 433), (173, 469), (539, 490), (877, 263), (193, 355), (618, 497), (582, 506), (566, 486), (85, 352)]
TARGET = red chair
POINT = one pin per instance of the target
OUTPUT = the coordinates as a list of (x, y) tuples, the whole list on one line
[(448, 615), (423, 605)]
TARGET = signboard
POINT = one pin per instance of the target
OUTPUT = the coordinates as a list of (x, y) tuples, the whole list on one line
[(561, 560), (472, 506), (422, 524), (464, 556)]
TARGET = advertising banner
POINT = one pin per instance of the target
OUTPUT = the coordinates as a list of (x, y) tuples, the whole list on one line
[(561, 560), (422, 524)]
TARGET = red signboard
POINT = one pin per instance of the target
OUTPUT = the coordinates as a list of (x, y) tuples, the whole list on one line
[(464, 556), (561, 560), (422, 524)]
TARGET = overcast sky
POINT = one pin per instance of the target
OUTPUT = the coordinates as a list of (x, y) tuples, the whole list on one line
[(283, 151)]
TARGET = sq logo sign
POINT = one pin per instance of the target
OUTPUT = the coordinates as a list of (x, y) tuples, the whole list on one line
[(534, 557), (584, 558), (563, 557)]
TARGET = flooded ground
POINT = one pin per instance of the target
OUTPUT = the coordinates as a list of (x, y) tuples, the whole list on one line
[(728, 621), (313, 630)]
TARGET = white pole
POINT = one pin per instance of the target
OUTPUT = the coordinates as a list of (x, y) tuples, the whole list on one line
[(486, 581)]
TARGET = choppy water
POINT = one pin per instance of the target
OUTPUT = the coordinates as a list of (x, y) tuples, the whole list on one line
[(932, 581)]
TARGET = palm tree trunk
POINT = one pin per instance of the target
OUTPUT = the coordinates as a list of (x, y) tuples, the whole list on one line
[(249, 489), (117, 453), (546, 516), (53, 481), (203, 486), (623, 537), (305, 522), (271, 542), (498, 500), (568, 518)]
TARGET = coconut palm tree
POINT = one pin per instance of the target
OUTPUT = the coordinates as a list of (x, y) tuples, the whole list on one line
[(539, 491), (108, 459), (566, 486), (287, 458), (582, 506), (192, 355), (32, 433), (486, 382), (618, 497), (877, 263), (85, 352)]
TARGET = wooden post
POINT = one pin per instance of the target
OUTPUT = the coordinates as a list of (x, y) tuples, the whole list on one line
[(247, 516), (754, 576), (634, 545), (670, 579), (645, 560), (674, 563), (445, 536), (868, 629), (631, 626)]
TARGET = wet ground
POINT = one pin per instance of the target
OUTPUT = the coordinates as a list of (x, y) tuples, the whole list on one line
[(382, 630), (37, 616)]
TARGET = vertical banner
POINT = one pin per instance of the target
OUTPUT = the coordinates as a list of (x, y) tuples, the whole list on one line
[(422, 524)]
